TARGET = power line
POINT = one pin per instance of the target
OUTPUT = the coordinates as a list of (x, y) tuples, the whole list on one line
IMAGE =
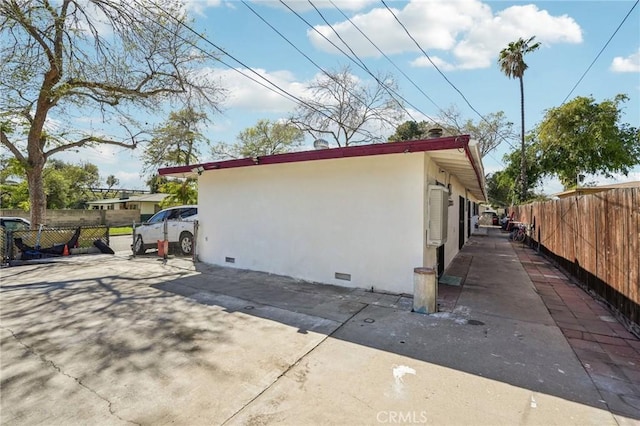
[(439, 71), (305, 55), (600, 53), (389, 90), (385, 55), (364, 66), (282, 92), (430, 60), (402, 72)]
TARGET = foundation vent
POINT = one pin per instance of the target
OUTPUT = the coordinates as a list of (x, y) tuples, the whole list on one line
[(344, 277)]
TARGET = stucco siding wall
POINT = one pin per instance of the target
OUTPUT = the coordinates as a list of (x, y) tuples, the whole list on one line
[(359, 216), (453, 232)]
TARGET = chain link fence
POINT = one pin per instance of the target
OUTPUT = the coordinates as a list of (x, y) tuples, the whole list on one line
[(52, 242)]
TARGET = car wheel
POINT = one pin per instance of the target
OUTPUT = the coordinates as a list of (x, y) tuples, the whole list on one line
[(138, 246), (186, 243)]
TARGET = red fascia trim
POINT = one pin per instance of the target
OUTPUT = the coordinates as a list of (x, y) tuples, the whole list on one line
[(450, 142), (475, 169)]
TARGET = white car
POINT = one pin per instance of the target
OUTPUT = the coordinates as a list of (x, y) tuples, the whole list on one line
[(180, 229)]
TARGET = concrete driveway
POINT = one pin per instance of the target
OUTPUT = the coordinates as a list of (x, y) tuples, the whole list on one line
[(112, 340)]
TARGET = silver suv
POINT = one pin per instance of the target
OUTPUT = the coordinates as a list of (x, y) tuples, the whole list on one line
[(180, 229)]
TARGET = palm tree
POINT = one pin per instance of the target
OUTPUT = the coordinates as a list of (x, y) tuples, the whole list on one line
[(511, 61)]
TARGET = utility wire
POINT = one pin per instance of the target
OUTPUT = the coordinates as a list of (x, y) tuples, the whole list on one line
[(276, 89), (403, 73), (600, 53), (280, 91), (362, 64), (355, 55), (439, 71), (355, 95), (430, 60), (305, 55), (355, 62), (385, 55)]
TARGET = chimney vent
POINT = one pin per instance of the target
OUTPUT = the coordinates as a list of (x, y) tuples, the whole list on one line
[(434, 133), (320, 144)]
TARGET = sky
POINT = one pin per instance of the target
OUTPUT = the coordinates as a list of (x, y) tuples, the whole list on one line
[(462, 38)]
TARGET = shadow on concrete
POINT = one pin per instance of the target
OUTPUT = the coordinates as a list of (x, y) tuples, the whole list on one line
[(62, 319), (497, 327)]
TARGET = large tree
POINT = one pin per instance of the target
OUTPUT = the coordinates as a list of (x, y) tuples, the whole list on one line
[(14, 191), (180, 192), (498, 189), (65, 62), (265, 138), (511, 61), (489, 131), (178, 141), (66, 185), (76, 180), (584, 136), (346, 110), (510, 176), (410, 130)]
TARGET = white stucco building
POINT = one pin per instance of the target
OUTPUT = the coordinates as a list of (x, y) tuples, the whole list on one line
[(357, 216)]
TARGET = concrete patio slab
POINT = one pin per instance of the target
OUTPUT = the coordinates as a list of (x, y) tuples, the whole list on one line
[(114, 340)]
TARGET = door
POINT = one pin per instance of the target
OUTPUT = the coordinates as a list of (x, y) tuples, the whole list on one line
[(461, 203), (440, 260), (468, 219)]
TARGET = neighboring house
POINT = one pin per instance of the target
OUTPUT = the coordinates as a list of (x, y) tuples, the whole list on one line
[(594, 189), (148, 204), (357, 216)]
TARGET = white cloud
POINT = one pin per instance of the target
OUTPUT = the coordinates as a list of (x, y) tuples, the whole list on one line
[(250, 95), (423, 62), (128, 180), (633, 176), (198, 6), (469, 33), (629, 64), (492, 168), (101, 155), (550, 186), (553, 186), (305, 6)]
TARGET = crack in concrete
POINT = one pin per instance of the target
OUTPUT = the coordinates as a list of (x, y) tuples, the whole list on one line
[(365, 305), (52, 364)]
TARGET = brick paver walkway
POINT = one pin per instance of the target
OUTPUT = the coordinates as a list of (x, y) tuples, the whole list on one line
[(608, 352)]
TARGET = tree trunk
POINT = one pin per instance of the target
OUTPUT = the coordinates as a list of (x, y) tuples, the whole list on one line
[(37, 196), (523, 160)]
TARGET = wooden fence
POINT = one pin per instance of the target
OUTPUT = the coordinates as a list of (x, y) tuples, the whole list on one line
[(596, 238)]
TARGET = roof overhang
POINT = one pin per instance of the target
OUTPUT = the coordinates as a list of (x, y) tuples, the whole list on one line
[(458, 155), (107, 201)]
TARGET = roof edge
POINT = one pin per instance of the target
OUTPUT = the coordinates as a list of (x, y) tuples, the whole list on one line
[(450, 142)]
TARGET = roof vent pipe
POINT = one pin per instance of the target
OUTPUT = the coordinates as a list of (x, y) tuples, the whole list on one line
[(434, 133), (320, 144)]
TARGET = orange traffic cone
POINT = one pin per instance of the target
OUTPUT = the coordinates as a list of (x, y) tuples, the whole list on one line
[(65, 252)]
